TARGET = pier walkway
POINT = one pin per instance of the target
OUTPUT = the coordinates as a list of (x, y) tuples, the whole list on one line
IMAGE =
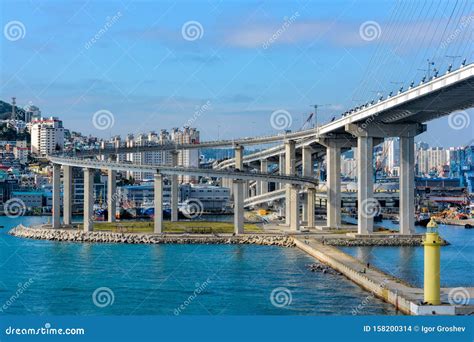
[(404, 297)]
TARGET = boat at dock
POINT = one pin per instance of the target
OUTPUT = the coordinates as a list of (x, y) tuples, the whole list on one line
[(422, 219)]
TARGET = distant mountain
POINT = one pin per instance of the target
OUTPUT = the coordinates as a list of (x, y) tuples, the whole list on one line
[(6, 111)]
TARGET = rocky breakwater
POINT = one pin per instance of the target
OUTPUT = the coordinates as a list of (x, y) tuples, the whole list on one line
[(322, 268), (376, 241), (133, 238)]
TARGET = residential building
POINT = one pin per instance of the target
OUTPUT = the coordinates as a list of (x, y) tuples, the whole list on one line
[(47, 136)]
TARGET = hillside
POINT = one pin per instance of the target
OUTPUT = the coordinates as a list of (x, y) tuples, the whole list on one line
[(6, 110)]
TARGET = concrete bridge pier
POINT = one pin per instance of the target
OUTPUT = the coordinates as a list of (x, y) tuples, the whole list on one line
[(67, 194), (294, 208), (307, 171), (111, 194), (239, 157), (407, 185), (238, 164), (290, 170), (174, 189), (263, 184), (367, 205), (310, 197), (333, 147), (365, 185), (247, 192), (238, 206), (88, 200), (281, 168), (333, 185), (158, 193), (253, 191), (56, 196)]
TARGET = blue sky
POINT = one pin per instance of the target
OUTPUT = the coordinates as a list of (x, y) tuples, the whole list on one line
[(250, 58)]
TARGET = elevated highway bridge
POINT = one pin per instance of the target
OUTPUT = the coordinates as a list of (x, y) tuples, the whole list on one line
[(402, 115)]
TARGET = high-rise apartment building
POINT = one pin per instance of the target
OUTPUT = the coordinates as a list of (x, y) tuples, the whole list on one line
[(47, 136)]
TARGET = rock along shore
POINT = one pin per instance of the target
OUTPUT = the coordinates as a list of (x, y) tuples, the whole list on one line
[(382, 241), (135, 238)]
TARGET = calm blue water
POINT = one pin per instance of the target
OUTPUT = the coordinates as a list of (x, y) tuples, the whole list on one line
[(457, 259), (158, 279)]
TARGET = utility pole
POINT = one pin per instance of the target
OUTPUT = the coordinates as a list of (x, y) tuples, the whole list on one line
[(430, 63), (316, 106), (13, 117)]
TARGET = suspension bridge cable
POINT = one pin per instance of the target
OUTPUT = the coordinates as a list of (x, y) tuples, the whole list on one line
[(374, 63), (376, 67)]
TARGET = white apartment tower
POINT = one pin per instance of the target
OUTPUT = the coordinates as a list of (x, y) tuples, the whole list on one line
[(47, 136), (186, 158)]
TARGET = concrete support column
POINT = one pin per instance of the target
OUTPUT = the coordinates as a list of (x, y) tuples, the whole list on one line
[(307, 171), (174, 190), (247, 189), (294, 206), (111, 194), (253, 191), (88, 200), (67, 194), (310, 196), (239, 164), (239, 157), (158, 192), (290, 169), (238, 206), (333, 184), (281, 168), (290, 158), (407, 185), (56, 195), (263, 184), (307, 161), (365, 184)]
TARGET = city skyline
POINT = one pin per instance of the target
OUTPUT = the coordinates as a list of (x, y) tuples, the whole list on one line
[(130, 61)]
